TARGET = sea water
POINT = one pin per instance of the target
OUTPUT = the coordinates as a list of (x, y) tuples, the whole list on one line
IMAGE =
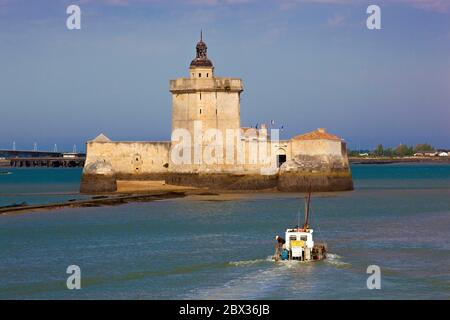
[(398, 218)]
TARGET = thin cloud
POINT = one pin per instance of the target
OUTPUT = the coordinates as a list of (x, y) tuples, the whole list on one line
[(433, 5), (3, 5), (442, 6), (336, 20), (181, 2)]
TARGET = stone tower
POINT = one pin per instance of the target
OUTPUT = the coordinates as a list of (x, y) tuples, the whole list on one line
[(215, 101)]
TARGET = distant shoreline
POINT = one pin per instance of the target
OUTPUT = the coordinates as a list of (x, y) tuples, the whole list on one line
[(385, 160)]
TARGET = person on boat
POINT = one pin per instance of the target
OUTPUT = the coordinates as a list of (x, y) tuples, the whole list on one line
[(281, 241)]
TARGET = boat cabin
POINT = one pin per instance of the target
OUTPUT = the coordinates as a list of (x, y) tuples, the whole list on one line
[(299, 242)]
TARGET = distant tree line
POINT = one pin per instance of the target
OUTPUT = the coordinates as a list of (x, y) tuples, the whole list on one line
[(402, 150)]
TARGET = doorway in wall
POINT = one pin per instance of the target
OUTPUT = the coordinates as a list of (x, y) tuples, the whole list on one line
[(281, 157)]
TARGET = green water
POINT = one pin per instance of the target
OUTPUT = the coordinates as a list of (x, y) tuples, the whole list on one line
[(398, 218)]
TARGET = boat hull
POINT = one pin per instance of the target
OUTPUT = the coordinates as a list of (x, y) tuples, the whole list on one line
[(318, 253)]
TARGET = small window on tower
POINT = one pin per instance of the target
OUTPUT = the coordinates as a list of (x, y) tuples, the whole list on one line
[(199, 75), (207, 75), (200, 111)]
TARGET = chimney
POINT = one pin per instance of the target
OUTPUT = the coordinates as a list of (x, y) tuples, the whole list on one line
[(321, 130)]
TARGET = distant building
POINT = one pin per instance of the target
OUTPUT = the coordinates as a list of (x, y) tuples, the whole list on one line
[(431, 153), (70, 155)]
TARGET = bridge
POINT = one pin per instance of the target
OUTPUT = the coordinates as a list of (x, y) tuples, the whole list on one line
[(27, 158)]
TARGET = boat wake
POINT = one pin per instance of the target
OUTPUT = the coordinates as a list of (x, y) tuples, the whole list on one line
[(249, 262), (264, 280), (254, 285), (336, 260)]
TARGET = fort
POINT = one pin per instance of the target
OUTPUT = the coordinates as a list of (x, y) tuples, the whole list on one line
[(210, 149)]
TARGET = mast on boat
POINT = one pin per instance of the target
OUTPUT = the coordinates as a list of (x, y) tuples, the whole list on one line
[(307, 206)]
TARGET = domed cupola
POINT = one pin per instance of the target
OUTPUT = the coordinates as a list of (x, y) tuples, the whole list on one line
[(201, 60)]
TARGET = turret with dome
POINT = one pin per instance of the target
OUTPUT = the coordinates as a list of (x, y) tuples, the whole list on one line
[(201, 59), (201, 66)]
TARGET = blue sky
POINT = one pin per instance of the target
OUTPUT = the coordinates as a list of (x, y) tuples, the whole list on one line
[(304, 63)]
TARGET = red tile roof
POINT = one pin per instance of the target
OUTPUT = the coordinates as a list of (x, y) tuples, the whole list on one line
[(316, 135)]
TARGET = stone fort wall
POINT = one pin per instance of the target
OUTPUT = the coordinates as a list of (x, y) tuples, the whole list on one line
[(130, 157), (321, 164)]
